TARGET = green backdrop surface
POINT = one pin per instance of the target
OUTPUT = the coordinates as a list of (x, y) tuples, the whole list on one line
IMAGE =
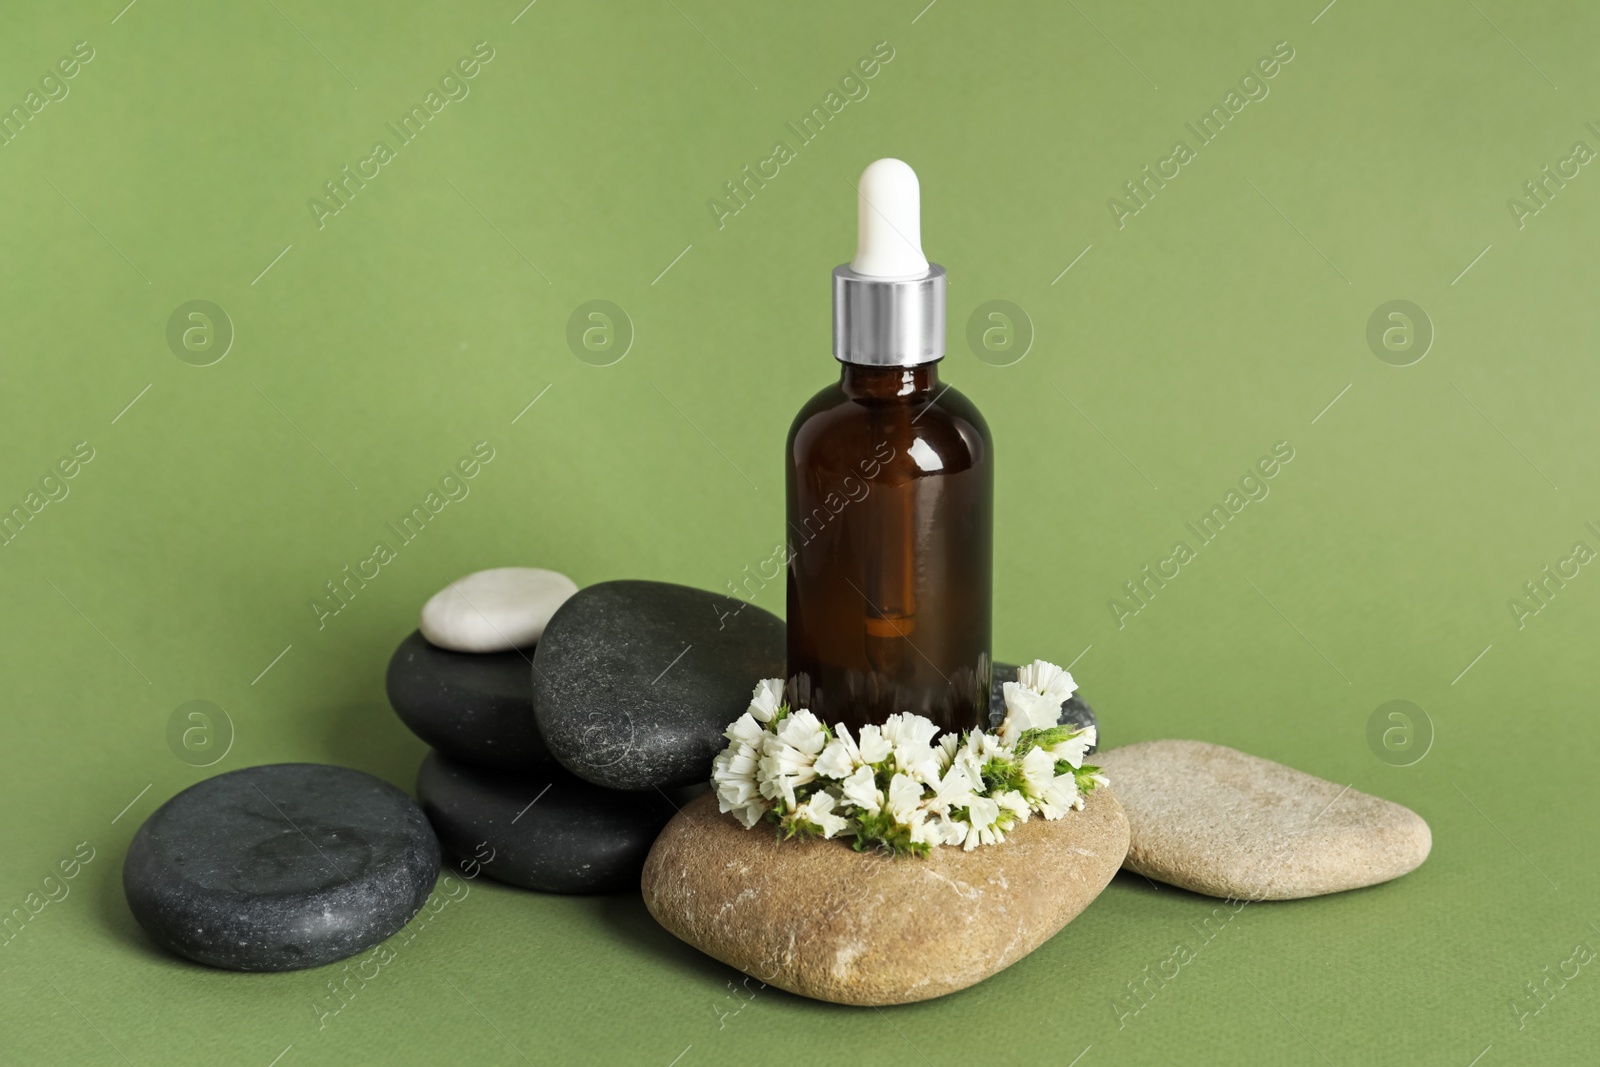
[(1170, 336)]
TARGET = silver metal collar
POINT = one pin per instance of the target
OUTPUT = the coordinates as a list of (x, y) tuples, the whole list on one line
[(888, 322)]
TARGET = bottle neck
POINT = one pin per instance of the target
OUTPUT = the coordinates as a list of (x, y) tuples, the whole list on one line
[(860, 382)]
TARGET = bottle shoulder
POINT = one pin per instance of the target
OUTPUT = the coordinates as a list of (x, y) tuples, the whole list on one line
[(937, 431)]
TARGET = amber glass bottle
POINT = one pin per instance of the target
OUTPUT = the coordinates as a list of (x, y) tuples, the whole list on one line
[(890, 497)]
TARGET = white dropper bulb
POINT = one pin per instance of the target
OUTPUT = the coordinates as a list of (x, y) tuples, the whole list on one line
[(889, 222)]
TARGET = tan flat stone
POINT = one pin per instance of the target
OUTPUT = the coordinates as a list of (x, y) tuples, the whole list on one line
[(822, 920), (1222, 822)]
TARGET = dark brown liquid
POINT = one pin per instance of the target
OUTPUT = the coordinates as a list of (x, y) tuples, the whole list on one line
[(891, 545)]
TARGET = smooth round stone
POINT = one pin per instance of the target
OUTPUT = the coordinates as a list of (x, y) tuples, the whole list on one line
[(495, 610), (477, 708), (817, 918), (1227, 824), (279, 867), (1074, 712), (634, 682), (548, 831)]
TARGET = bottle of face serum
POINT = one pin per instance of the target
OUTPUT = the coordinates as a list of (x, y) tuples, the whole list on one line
[(890, 495)]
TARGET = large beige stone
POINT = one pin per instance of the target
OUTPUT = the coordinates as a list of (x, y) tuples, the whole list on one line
[(820, 919), (1228, 824)]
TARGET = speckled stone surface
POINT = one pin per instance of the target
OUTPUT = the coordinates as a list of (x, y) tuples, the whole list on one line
[(476, 707), (819, 919), (634, 682), (1221, 822), (279, 867), (549, 831), (1074, 711)]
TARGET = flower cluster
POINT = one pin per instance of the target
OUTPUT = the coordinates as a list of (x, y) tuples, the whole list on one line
[(900, 786)]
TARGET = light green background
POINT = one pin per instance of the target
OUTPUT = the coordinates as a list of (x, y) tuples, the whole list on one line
[(424, 317)]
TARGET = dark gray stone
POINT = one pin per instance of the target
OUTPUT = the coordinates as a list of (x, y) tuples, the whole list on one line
[(280, 867), (1074, 712), (476, 707), (549, 831), (634, 682)]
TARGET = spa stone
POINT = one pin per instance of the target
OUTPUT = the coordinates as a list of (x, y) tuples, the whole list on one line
[(279, 867), (494, 610), (473, 707), (634, 682), (548, 831)]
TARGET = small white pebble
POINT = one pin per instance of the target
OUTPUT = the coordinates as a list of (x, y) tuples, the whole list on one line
[(495, 610)]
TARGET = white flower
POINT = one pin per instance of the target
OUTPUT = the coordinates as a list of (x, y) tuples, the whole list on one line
[(979, 749), (1014, 802), (1033, 701), (911, 737), (923, 829), (841, 756), (1039, 768), (824, 782), (875, 747), (905, 797), (803, 731), (944, 830), (766, 699), (1026, 710), (745, 730), (982, 812), (1047, 679), (981, 816), (818, 811), (953, 790), (1076, 747), (788, 756), (860, 789), (1059, 797), (913, 732), (748, 814), (733, 773)]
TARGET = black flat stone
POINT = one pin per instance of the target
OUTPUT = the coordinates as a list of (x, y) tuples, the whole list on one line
[(634, 682), (549, 831), (280, 867), (474, 707), (1074, 711)]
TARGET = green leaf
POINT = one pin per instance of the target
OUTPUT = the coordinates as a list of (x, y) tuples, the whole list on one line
[(881, 831), (1002, 774), (801, 828), (1047, 738), (1085, 776)]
